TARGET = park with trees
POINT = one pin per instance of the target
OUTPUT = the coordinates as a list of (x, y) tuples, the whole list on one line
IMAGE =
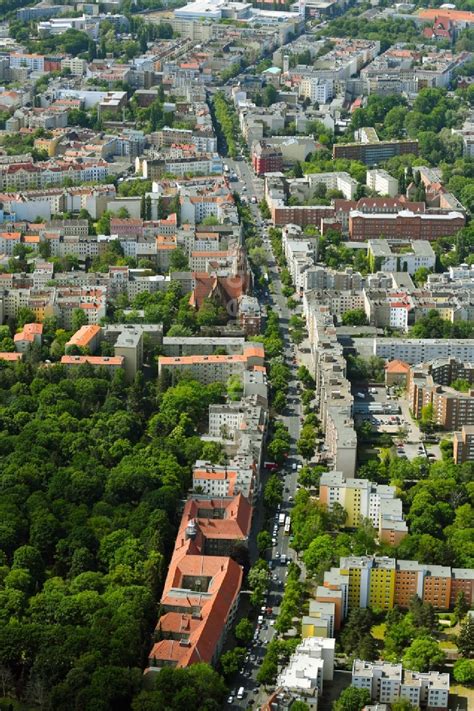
[(92, 471)]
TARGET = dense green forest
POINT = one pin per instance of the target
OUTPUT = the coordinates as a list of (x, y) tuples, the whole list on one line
[(91, 474)]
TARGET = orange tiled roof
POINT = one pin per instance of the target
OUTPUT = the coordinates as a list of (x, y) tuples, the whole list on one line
[(28, 333), (11, 356), (84, 336), (93, 360), (454, 15), (196, 359), (397, 366)]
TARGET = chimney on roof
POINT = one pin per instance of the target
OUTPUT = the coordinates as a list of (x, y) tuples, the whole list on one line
[(191, 530)]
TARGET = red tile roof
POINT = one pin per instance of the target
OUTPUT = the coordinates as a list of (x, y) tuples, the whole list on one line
[(93, 360), (397, 366), (11, 356), (28, 332), (84, 336)]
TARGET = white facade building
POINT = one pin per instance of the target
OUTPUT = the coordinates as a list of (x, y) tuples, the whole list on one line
[(388, 682), (310, 665), (382, 182), (316, 89)]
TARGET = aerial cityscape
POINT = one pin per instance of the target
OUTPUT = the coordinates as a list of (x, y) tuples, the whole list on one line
[(237, 355)]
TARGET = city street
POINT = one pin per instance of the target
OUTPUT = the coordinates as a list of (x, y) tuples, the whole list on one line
[(265, 632)]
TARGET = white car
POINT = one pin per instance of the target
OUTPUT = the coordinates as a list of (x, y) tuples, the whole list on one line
[(230, 700)]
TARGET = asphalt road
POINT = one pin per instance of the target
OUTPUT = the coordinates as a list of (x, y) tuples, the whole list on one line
[(253, 695)]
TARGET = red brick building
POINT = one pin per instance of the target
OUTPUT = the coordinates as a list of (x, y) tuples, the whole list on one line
[(301, 215), (266, 159), (403, 225)]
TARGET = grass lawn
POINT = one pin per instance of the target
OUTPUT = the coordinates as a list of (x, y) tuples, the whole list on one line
[(461, 698), (378, 631), (447, 644)]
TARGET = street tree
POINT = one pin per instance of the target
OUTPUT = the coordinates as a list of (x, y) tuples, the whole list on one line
[(264, 541), (231, 660), (244, 631)]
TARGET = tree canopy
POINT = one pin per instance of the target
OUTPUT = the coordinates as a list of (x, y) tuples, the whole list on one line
[(92, 471)]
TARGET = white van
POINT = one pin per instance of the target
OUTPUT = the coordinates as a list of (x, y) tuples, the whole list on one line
[(240, 693)]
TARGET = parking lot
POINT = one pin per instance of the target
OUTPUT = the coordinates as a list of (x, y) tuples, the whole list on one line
[(393, 417)]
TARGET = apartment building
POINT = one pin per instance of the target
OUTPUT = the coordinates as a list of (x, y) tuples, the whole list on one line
[(403, 256), (427, 384), (371, 581), (362, 499), (316, 89), (200, 164), (333, 390), (301, 215), (309, 666), (419, 350), (31, 334), (387, 682), (199, 603), (320, 620), (215, 524), (300, 252), (382, 582), (393, 309), (249, 314), (126, 227), (216, 480), (111, 363), (168, 136), (305, 188), (266, 158), (464, 445), (33, 62), (24, 176), (346, 58), (404, 225), (213, 368), (374, 152), (86, 339), (382, 680), (129, 346), (178, 346), (382, 182)]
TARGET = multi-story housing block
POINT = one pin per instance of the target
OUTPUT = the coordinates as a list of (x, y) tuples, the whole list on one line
[(387, 682), (403, 256), (404, 225), (311, 664), (464, 445), (266, 158), (382, 182), (362, 499), (381, 583), (419, 350), (428, 384)]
